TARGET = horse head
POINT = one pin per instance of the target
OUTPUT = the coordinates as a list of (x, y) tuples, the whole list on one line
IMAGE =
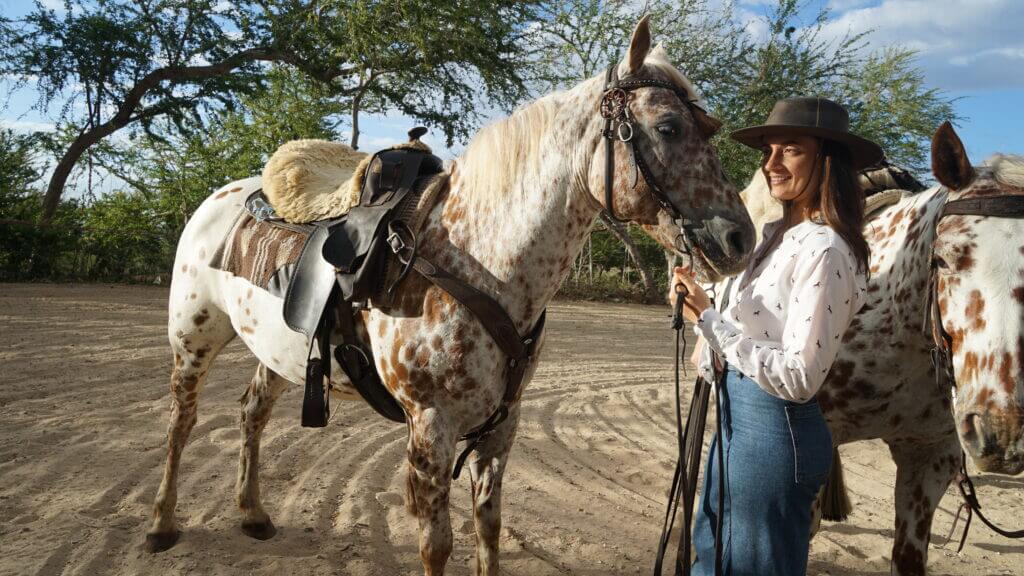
[(665, 174), (979, 265)]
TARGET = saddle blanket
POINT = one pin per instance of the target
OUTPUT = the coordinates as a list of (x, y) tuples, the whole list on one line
[(260, 252)]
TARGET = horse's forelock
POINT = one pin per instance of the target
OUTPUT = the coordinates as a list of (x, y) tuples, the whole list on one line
[(1007, 169), (658, 59)]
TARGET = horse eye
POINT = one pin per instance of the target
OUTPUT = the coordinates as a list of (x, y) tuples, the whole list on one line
[(939, 262), (667, 130)]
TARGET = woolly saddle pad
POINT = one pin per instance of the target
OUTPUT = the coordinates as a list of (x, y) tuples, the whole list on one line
[(880, 201), (309, 180)]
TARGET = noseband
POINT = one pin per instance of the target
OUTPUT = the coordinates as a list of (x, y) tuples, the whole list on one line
[(619, 124), (1004, 206)]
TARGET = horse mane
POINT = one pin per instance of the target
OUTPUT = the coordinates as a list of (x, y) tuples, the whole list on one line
[(884, 176), (1007, 169), (490, 166)]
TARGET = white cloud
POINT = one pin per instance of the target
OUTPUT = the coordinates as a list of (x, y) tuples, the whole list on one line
[(27, 125), (962, 45)]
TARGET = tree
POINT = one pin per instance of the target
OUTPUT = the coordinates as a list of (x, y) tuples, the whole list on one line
[(890, 104), (883, 90), (177, 170), (113, 64)]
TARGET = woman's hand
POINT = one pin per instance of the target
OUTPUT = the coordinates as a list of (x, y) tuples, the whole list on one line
[(695, 300)]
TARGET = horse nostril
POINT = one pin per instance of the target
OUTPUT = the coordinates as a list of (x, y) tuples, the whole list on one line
[(734, 239), (970, 429)]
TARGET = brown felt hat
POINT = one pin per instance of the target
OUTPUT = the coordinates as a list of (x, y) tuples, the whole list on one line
[(818, 117)]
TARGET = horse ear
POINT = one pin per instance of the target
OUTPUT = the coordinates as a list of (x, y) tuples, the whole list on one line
[(950, 164), (639, 45)]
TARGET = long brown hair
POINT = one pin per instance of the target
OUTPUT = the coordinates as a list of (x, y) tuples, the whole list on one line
[(840, 200)]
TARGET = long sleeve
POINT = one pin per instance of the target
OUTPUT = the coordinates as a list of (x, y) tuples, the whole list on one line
[(792, 365)]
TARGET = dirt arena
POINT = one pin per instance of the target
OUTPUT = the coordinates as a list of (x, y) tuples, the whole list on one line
[(83, 412)]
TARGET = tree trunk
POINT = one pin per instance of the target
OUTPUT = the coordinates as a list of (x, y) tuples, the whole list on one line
[(126, 110), (67, 163), (619, 230), (355, 122)]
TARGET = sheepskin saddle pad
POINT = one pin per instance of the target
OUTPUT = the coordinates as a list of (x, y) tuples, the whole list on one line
[(311, 180), (880, 201)]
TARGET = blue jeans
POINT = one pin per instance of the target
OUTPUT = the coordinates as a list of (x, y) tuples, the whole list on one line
[(777, 456)]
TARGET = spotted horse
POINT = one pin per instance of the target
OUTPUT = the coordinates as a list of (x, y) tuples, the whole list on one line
[(883, 384), (519, 205)]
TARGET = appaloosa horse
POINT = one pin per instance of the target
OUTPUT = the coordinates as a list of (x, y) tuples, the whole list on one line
[(882, 384), (520, 204)]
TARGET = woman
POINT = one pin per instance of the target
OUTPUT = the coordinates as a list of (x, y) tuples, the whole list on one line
[(778, 337)]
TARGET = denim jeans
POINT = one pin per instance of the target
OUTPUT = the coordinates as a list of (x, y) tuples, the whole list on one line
[(777, 454)]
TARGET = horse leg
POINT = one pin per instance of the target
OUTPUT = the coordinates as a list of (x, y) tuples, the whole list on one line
[(486, 468), (257, 402), (923, 472), (193, 354), (431, 453)]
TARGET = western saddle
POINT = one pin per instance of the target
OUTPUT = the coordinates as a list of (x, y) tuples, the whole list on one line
[(356, 260)]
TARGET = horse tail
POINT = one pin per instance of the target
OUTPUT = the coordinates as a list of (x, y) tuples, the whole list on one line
[(834, 499)]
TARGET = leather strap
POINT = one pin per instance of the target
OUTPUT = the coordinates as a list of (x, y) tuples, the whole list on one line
[(996, 206), (609, 148), (492, 316), (316, 408)]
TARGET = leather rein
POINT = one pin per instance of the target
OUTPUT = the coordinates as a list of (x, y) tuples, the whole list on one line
[(1003, 206)]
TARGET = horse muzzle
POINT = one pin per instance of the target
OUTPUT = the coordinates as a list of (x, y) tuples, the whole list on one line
[(994, 440)]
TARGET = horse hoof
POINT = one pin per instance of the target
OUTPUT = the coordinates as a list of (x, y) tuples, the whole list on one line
[(158, 542), (259, 530)]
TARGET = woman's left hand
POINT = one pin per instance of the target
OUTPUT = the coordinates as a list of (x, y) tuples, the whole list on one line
[(696, 299)]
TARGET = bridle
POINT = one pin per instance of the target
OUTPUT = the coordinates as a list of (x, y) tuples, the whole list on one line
[(1003, 206), (620, 125)]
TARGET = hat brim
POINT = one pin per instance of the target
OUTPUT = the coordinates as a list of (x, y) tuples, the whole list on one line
[(863, 152)]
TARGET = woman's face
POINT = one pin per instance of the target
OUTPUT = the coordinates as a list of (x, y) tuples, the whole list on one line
[(791, 166)]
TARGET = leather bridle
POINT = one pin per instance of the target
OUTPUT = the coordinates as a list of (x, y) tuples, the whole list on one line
[(621, 125), (1003, 206)]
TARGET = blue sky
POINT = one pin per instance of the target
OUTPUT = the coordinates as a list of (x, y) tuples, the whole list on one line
[(971, 50)]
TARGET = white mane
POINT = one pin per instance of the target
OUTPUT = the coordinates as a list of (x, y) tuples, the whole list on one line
[(1007, 169)]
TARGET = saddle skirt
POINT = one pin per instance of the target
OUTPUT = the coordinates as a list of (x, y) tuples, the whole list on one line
[(288, 260)]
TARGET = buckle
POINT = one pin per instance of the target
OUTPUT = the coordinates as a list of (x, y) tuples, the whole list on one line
[(396, 242)]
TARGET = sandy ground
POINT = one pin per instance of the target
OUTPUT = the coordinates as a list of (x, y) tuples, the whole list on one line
[(83, 411)]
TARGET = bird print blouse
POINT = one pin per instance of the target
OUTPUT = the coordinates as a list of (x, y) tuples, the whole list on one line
[(785, 318)]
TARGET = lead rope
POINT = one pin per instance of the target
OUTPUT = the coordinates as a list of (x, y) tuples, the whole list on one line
[(690, 442)]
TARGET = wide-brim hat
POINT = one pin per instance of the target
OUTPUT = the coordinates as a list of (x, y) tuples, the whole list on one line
[(818, 117)]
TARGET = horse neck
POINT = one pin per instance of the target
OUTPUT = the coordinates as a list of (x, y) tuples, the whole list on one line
[(901, 246), (522, 237)]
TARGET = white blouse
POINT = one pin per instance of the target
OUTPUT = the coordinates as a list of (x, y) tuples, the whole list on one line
[(785, 319)]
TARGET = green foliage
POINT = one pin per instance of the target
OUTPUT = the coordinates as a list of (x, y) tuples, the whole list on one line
[(19, 172), (883, 90), (123, 237), (116, 63)]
